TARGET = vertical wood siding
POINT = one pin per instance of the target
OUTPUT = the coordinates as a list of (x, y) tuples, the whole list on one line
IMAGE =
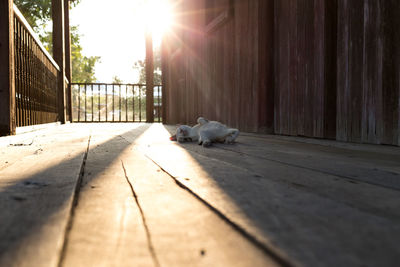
[(318, 68), (368, 71), (304, 68)]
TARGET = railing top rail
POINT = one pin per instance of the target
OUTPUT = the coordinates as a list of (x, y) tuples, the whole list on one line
[(129, 84), (21, 17)]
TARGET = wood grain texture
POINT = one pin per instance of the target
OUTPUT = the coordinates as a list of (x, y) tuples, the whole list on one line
[(131, 213), (367, 72), (325, 69), (59, 54), (286, 194), (222, 70), (7, 69), (37, 186)]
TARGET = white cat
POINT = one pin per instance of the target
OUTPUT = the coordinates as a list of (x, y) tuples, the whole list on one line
[(206, 132)]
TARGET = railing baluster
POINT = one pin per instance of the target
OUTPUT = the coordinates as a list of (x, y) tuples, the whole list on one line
[(35, 72), (106, 88), (99, 103), (140, 104), (30, 91), (92, 104), (133, 103), (23, 79), (119, 102), (113, 101), (158, 103), (85, 103), (130, 92), (79, 103), (17, 70), (126, 102)]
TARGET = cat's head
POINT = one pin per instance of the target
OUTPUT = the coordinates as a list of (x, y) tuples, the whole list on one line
[(181, 132)]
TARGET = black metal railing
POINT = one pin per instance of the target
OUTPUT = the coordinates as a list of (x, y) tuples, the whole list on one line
[(102, 102), (35, 77)]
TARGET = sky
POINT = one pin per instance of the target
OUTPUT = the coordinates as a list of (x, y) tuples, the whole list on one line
[(113, 30)]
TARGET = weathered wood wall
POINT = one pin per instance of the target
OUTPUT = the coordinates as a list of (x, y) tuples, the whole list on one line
[(368, 71), (326, 69), (305, 71), (224, 72)]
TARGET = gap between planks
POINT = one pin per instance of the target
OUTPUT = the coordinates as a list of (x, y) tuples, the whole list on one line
[(146, 228), (310, 169), (74, 203), (270, 251)]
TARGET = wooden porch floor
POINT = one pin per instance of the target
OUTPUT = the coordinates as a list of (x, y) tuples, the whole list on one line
[(124, 195)]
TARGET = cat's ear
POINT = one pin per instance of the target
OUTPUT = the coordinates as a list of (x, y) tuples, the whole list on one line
[(202, 120)]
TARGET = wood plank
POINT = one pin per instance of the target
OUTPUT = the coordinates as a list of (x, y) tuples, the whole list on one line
[(379, 168), (265, 97), (184, 231), (153, 223), (310, 224), (331, 22), (391, 72), (314, 173), (37, 190), (7, 69), (107, 228)]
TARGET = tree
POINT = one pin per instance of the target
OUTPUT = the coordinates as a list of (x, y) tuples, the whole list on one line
[(116, 80), (141, 66), (83, 68), (38, 14)]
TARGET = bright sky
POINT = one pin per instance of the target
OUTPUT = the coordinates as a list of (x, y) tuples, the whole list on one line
[(114, 30)]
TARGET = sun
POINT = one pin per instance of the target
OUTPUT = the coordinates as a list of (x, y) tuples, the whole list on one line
[(159, 17)]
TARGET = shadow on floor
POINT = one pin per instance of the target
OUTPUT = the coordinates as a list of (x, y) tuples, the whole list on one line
[(36, 201)]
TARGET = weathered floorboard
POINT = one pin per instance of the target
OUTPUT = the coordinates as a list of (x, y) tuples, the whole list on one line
[(106, 228), (264, 201), (36, 194), (310, 215), (184, 231), (154, 223), (315, 172)]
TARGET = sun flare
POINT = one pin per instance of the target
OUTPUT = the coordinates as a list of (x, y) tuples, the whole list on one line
[(159, 17)]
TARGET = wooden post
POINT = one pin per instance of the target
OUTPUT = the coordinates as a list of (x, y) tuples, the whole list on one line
[(164, 79), (68, 64), (59, 54), (149, 78), (7, 69)]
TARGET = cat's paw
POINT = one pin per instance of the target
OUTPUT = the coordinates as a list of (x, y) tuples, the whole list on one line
[(229, 140), (207, 143)]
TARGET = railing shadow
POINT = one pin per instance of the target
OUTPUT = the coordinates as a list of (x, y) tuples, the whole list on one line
[(35, 202)]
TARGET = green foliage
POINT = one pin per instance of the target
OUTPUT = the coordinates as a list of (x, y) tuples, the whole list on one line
[(116, 80), (38, 14), (83, 68), (141, 66)]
